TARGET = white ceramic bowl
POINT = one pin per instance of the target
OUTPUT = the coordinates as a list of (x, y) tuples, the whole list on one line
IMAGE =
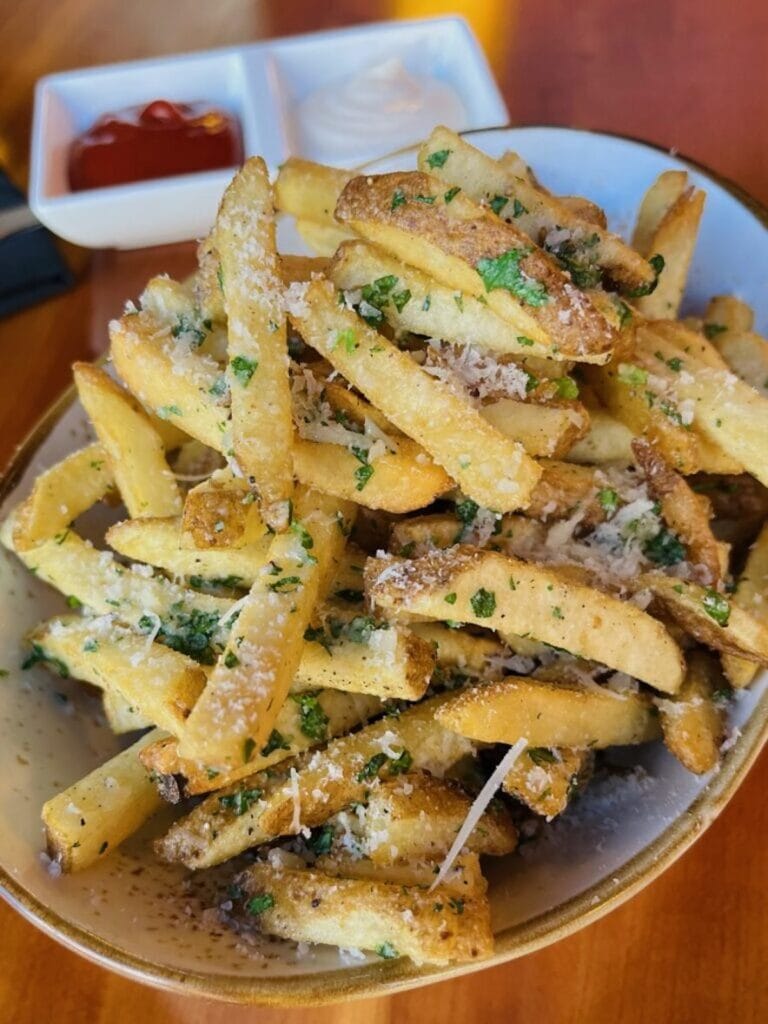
[(130, 913), (260, 84)]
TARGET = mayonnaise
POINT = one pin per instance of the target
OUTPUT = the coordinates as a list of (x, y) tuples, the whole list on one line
[(372, 113)]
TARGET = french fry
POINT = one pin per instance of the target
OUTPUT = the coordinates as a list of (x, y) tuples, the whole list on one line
[(400, 481), (728, 315), (431, 927), (309, 191), (207, 286), (544, 779), (306, 795), (247, 687), (728, 324), (691, 723), (412, 301), (159, 542), (489, 589), (751, 589), (90, 818), (220, 514), (60, 495), (172, 305), (547, 714), (257, 369), (384, 660), (166, 372), (532, 210), (545, 431), (607, 440), (685, 511), (656, 203), (416, 820), (122, 717), (133, 448), (489, 467), (455, 648), (710, 617), (160, 683), (673, 237), (294, 268), (107, 588), (300, 724), (727, 412), (468, 248), (322, 239)]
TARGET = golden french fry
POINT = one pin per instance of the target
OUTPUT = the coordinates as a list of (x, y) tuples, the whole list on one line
[(692, 724), (133, 447), (309, 191), (220, 514), (545, 778), (489, 467), (122, 717), (501, 593), (90, 818), (751, 590), (257, 368), (656, 203)]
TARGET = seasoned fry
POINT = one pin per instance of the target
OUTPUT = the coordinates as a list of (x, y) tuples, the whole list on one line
[(159, 542), (509, 596), (487, 466), (60, 495), (750, 596), (410, 300), (728, 325), (322, 239), (122, 717), (546, 714), (582, 246), (90, 818), (220, 514), (132, 446), (545, 431), (305, 720), (309, 190), (692, 724), (711, 617), (468, 248), (607, 440), (545, 779), (311, 793), (257, 368), (249, 683), (434, 927), (161, 684)]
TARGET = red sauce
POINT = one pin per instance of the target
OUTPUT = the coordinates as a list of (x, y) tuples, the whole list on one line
[(154, 141)]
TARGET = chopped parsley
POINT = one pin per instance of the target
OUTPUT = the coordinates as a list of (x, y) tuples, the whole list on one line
[(313, 721), (192, 327), (166, 411), (429, 200), (712, 330), (74, 602), (438, 158), (657, 265), (248, 748), (401, 764), (365, 471), (716, 607), (371, 769), (38, 656), (231, 660), (467, 510), (450, 598), (557, 613), (456, 905), (522, 340), (664, 549), (243, 369), (451, 194), (275, 742), (188, 632), (483, 603), (623, 311), (504, 272), (398, 199), (609, 499), (566, 388), (631, 374), (258, 904), (498, 203), (285, 585), (321, 840), (347, 339), (579, 258), (240, 801), (518, 209), (219, 387), (387, 951), (541, 756)]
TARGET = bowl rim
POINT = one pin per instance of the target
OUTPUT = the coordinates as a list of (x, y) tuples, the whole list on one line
[(384, 979)]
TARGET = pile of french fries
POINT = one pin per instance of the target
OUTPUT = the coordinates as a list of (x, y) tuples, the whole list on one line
[(460, 501)]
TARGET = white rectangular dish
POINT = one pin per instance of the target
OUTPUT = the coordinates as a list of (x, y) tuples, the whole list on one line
[(262, 85)]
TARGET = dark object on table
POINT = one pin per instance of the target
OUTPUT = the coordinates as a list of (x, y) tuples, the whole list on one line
[(31, 268), (158, 140)]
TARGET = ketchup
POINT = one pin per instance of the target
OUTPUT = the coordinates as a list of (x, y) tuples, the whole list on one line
[(155, 141)]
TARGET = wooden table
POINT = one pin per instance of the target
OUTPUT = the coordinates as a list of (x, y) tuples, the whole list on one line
[(682, 73)]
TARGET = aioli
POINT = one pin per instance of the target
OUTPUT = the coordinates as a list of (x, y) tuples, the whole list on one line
[(372, 113)]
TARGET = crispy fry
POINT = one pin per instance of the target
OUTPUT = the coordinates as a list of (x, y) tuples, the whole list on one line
[(132, 446), (545, 431), (407, 214), (248, 685), (257, 369), (692, 724), (309, 190), (510, 596), (90, 818), (220, 514), (750, 596), (488, 466), (534, 211), (60, 495), (545, 779)]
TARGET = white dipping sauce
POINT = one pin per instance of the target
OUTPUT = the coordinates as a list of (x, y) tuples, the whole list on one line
[(379, 110)]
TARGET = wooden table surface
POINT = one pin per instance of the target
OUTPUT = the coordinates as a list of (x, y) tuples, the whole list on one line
[(681, 73)]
